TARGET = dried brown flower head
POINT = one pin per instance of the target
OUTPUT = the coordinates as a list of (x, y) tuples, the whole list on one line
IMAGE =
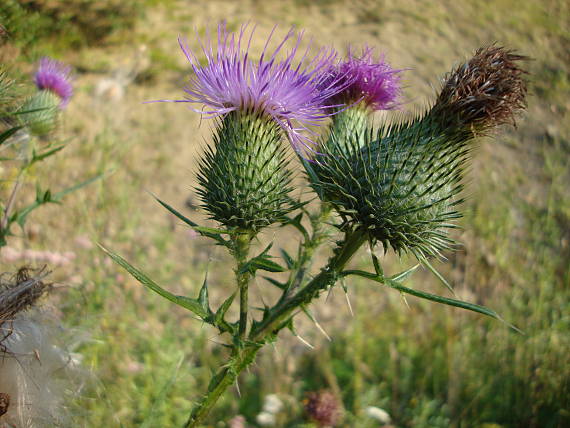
[(4, 402), (323, 408), (486, 91), (21, 291)]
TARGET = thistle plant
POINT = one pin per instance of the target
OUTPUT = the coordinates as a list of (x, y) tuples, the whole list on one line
[(397, 185), (26, 129)]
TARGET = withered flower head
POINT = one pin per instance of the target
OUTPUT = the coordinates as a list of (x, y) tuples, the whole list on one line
[(323, 408), (488, 90)]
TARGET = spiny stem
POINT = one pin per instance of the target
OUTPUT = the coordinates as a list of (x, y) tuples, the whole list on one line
[(226, 376), (279, 315), (309, 247), (244, 356)]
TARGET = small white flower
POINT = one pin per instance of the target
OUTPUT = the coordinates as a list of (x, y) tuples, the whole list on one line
[(379, 414), (265, 419), (272, 404)]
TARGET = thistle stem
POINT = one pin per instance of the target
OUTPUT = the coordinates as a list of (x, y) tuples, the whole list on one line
[(308, 247), (280, 314), (276, 320), (224, 377), (242, 243)]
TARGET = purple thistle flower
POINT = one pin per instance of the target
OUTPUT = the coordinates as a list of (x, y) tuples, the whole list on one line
[(371, 81), (54, 76), (293, 95)]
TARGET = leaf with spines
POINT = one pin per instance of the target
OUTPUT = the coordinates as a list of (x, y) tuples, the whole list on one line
[(394, 282), (262, 261), (209, 232)]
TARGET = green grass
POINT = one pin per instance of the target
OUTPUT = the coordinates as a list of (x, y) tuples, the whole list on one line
[(427, 365)]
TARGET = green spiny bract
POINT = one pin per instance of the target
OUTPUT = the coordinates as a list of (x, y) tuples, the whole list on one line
[(400, 183), (39, 112), (243, 179)]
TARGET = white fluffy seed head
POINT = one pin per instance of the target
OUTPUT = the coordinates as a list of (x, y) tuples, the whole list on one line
[(34, 372)]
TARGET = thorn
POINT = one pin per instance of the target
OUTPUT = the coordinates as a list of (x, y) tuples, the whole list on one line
[(304, 341), (322, 330), (237, 387), (348, 303), (275, 349), (405, 300), (328, 295)]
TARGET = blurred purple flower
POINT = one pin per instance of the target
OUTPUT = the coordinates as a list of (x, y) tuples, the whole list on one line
[(54, 76), (371, 81), (291, 92)]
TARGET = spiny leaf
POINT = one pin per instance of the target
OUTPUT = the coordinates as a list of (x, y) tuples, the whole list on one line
[(448, 301), (296, 222), (288, 259), (41, 156), (390, 282), (281, 285), (439, 276), (203, 296), (192, 305), (403, 275), (263, 262), (204, 231), (221, 312), (8, 133)]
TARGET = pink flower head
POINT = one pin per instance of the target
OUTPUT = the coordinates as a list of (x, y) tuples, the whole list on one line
[(54, 76), (293, 93), (371, 81)]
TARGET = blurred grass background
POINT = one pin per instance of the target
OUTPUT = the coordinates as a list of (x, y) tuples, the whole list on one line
[(427, 365)]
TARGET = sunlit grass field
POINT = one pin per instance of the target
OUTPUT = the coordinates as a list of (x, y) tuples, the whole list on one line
[(428, 366)]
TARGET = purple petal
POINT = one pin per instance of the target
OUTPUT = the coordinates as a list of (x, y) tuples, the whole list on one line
[(54, 76), (291, 94)]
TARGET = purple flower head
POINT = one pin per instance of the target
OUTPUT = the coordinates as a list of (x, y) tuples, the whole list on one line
[(54, 76), (374, 82), (293, 93)]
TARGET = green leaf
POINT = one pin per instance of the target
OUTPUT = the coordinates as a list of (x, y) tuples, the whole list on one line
[(38, 157), (439, 276), (263, 262), (288, 259), (448, 301), (221, 312), (391, 282), (204, 231), (8, 133), (296, 222), (313, 177), (192, 305), (403, 275), (377, 268), (20, 216), (282, 286), (203, 296)]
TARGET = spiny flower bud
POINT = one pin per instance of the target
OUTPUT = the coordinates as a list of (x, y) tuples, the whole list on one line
[(40, 111), (243, 178), (369, 85), (401, 182), (244, 181)]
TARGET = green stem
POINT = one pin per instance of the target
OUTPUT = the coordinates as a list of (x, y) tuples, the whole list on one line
[(309, 247), (226, 376), (242, 243), (244, 356), (280, 314)]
